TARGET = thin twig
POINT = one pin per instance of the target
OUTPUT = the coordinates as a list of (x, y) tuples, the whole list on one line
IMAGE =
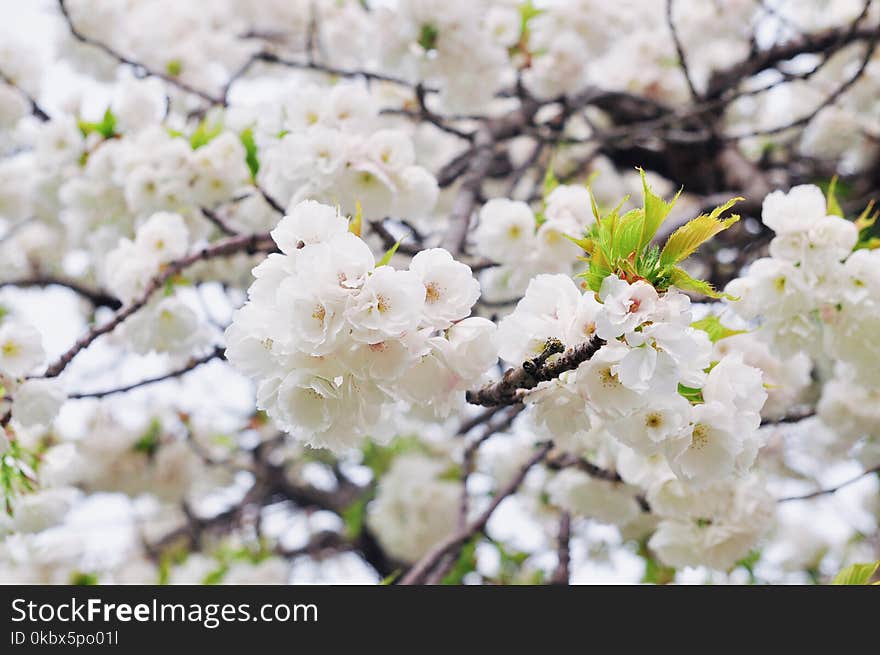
[(128, 61), (830, 490), (563, 551), (424, 566), (249, 243), (679, 48), (96, 297), (216, 353)]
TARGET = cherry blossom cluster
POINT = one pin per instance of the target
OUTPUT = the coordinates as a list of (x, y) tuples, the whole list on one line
[(818, 295), (333, 149), (415, 508), (31, 402), (335, 341), (510, 234), (462, 46), (648, 385)]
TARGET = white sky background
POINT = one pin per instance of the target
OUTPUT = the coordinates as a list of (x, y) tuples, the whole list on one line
[(105, 521)]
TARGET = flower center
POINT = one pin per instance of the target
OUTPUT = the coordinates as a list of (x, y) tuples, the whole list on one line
[(319, 314), (608, 378), (700, 436), (432, 292)]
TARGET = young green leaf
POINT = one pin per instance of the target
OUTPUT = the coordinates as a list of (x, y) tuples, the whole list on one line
[(856, 574), (694, 396), (656, 210), (354, 517), (683, 280), (356, 225), (834, 208), (250, 148), (204, 134), (550, 181), (690, 236), (628, 236), (712, 326), (386, 258)]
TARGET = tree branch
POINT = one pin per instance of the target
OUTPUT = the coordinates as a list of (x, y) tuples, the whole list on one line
[(831, 490), (563, 551), (96, 297), (249, 243), (509, 389), (138, 66), (424, 566), (216, 353), (36, 110)]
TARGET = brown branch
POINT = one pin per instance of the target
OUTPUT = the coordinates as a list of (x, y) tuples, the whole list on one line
[(36, 110), (795, 417), (509, 389), (470, 452), (216, 353), (679, 49), (563, 551), (830, 490), (561, 460), (476, 171), (249, 243), (272, 58), (827, 102), (388, 239), (128, 61), (96, 297), (478, 164), (424, 566), (221, 224), (274, 204), (831, 39)]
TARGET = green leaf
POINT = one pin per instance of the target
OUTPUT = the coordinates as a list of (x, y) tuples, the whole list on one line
[(83, 579), (451, 473), (627, 240), (598, 270), (356, 225), (694, 396), (215, 576), (148, 443), (655, 572), (685, 240), (834, 208), (250, 148), (174, 67), (106, 127), (856, 574), (682, 279), (712, 326), (584, 243), (656, 210), (466, 562), (389, 579), (388, 255), (204, 134), (528, 11), (428, 36), (550, 181), (379, 458), (354, 517)]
